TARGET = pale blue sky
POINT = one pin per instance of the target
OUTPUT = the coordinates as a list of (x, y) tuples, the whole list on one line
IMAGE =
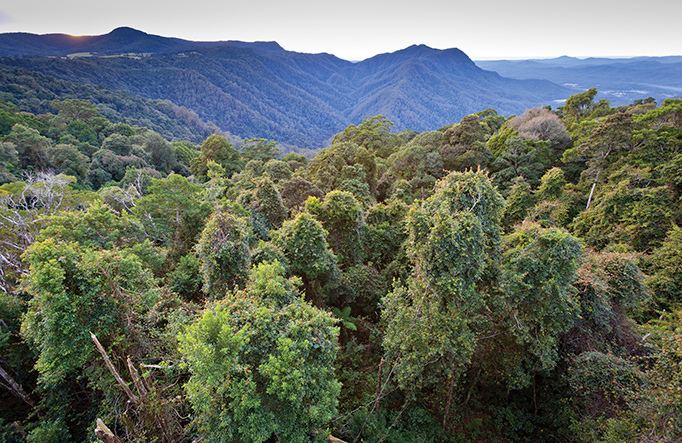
[(356, 29)]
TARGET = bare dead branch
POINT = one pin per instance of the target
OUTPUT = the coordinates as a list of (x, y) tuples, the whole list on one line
[(112, 369), (15, 387), (103, 433), (139, 385)]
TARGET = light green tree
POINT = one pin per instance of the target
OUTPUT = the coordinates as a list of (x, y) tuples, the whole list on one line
[(303, 241), (261, 364)]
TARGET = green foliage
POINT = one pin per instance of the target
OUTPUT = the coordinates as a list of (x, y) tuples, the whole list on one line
[(172, 212), (277, 170), (374, 133), (216, 148), (603, 383), (31, 147), (185, 279), (538, 269), (579, 105), (414, 425), (342, 161), (185, 152), (468, 192), (666, 264), (610, 282), (453, 237), (344, 315), (465, 146), (161, 154), (224, 252), (518, 202), (385, 231), (261, 364), (259, 149), (361, 287), (97, 227), (412, 173), (296, 191), (303, 241), (551, 184), (68, 160), (342, 217), (49, 431), (76, 291), (265, 202), (629, 211), (521, 158), (662, 402)]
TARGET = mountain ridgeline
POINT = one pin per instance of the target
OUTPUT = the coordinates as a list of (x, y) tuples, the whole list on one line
[(261, 90)]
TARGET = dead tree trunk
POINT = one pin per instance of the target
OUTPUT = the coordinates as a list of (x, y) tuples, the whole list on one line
[(112, 369), (137, 380), (15, 387), (103, 433), (594, 185)]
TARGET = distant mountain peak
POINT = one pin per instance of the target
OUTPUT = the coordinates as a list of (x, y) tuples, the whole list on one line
[(126, 30), (417, 52), (267, 45), (417, 49), (420, 47)]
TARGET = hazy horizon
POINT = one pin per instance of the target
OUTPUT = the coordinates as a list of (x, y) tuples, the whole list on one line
[(356, 30), (488, 58)]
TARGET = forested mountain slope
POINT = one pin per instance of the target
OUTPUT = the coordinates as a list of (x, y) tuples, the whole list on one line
[(33, 92), (261, 90), (496, 279)]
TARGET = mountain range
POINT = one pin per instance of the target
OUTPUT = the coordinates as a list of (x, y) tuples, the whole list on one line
[(259, 89)]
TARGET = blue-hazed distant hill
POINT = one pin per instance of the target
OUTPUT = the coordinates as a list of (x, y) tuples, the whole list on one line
[(261, 90), (620, 80)]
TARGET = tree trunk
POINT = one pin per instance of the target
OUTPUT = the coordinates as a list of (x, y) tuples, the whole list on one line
[(15, 387), (594, 185), (377, 395), (112, 369), (103, 433), (448, 404)]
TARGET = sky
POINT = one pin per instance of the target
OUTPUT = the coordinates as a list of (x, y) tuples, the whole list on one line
[(357, 29)]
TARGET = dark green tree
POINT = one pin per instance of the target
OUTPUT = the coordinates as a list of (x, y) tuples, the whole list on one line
[(216, 148), (343, 218), (224, 251)]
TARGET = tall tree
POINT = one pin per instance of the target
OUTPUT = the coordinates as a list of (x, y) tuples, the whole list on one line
[(224, 252), (612, 136)]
